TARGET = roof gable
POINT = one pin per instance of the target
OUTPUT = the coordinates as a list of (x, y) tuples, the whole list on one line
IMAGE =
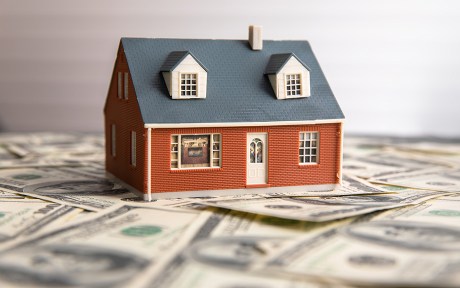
[(237, 89), (277, 62), (175, 58)]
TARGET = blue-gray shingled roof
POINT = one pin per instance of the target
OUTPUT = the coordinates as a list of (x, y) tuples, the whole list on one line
[(277, 61), (237, 89)]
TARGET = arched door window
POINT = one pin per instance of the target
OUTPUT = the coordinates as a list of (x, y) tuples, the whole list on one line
[(256, 151)]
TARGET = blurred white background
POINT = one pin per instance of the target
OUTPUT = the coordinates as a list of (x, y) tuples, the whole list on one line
[(393, 65)]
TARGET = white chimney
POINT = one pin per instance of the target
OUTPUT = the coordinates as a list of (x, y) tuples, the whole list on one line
[(255, 37)]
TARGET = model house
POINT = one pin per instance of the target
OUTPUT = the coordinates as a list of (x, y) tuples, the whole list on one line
[(214, 117)]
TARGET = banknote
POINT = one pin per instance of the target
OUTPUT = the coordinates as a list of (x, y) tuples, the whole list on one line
[(105, 251), (5, 154), (21, 218), (381, 253), (444, 210), (447, 180), (68, 186), (383, 164), (215, 245), (319, 209), (6, 194), (52, 145)]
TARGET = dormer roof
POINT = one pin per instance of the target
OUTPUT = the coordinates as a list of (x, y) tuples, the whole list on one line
[(277, 62), (175, 58)]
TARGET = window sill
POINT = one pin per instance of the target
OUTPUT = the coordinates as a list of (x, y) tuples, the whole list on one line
[(197, 170)]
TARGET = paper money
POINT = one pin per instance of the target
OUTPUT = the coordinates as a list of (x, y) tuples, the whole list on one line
[(105, 251), (20, 218), (433, 179), (6, 194), (443, 211), (395, 253), (216, 245), (382, 164), (66, 186), (319, 209)]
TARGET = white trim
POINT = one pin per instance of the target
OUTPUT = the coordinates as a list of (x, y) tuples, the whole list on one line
[(211, 152), (310, 148), (149, 164), (196, 74), (240, 124), (286, 75), (258, 169)]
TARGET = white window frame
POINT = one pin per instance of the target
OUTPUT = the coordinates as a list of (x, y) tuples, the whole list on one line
[(126, 85), (113, 139), (298, 82), (133, 148), (188, 85), (306, 150), (215, 153)]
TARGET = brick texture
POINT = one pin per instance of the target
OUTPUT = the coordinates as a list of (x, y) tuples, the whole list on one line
[(126, 116), (283, 159)]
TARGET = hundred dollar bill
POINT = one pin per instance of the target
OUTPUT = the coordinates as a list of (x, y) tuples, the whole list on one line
[(443, 211), (106, 250), (381, 253), (219, 249), (68, 186), (319, 209), (433, 179), (20, 218)]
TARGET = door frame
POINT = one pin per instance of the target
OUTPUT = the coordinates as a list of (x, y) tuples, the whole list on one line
[(263, 167)]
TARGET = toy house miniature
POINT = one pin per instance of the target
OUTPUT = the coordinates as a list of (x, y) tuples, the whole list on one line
[(221, 117)]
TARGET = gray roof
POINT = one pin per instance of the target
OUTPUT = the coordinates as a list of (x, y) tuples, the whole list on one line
[(174, 58), (237, 89), (277, 61)]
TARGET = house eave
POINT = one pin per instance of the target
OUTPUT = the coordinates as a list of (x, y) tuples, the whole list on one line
[(241, 124)]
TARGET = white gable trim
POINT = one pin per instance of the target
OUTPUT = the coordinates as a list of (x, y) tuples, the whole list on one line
[(240, 124)]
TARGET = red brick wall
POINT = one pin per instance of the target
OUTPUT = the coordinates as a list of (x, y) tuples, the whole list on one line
[(126, 116), (283, 159)]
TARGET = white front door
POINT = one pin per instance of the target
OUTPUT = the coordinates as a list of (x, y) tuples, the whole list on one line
[(256, 158)]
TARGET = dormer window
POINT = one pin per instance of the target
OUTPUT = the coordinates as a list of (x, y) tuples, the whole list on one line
[(293, 87), (185, 76), (188, 86), (289, 77)]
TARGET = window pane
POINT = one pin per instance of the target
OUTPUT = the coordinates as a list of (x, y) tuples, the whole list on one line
[(259, 153), (126, 85), (194, 151)]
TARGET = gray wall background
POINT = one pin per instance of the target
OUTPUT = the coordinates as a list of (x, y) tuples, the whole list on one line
[(392, 64)]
